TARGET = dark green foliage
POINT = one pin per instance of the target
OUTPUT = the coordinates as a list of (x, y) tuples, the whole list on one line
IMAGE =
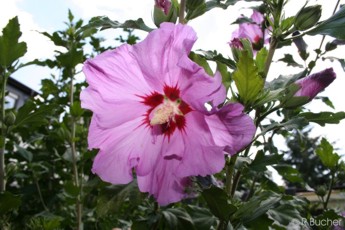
[(332, 26), (301, 156)]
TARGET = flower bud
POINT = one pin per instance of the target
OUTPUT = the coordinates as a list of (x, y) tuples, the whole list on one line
[(10, 118), (301, 46), (334, 44), (238, 46), (307, 17), (321, 191), (164, 11), (307, 88), (163, 5)]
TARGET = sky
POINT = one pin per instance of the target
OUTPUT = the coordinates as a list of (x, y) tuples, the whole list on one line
[(213, 29)]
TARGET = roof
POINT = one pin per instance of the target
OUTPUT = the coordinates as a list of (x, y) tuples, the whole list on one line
[(25, 89)]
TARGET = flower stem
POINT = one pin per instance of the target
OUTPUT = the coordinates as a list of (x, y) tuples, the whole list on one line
[(74, 158), (235, 182), (3, 134), (223, 225), (230, 167), (40, 193), (181, 13), (272, 49), (325, 204)]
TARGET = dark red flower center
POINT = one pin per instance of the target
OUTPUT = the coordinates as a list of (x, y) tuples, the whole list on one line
[(166, 111)]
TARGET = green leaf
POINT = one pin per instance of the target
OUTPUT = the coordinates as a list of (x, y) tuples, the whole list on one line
[(70, 15), (327, 101), (284, 214), (226, 76), (333, 26), (256, 207), (288, 59), (260, 60), (214, 56), (49, 87), (293, 102), (267, 96), (193, 4), (217, 200), (209, 5), (70, 189), (261, 161), (72, 58), (30, 114), (201, 61), (287, 23), (247, 79), (328, 216), (58, 41), (27, 155), (76, 110), (178, 218), (140, 225), (115, 196), (104, 22), (8, 202), (10, 48), (342, 63), (324, 118), (202, 217), (289, 173), (293, 123), (284, 80), (326, 154)]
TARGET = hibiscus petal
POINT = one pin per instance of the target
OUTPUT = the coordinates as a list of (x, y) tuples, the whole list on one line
[(158, 62), (173, 146), (257, 17), (118, 153), (201, 155), (116, 75), (231, 127), (111, 114), (163, 183), (198, 87)]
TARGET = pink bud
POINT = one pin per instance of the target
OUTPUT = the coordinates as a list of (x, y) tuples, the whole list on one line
[(313, 84), (164, 5)]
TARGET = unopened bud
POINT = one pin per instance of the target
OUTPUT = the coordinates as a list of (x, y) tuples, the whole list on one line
[(164, 11), (307, 17), (10, 118), (334, 44), (301, 46), (238, 46), (304, 90), (321, 191)]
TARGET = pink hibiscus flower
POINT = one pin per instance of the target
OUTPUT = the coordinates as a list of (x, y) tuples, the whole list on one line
[(148, 103), (255, 32)]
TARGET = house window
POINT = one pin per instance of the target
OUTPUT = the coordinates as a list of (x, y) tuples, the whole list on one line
[(11, 100)]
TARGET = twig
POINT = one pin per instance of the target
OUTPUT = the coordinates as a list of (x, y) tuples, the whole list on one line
[(230, 167), (74, 158), (40, 194), (323, 39), (3, 134), (329, 190), (182, 10)]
